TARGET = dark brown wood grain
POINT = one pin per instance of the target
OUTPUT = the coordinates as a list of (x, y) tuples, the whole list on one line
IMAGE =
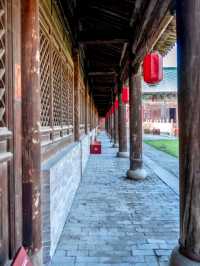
[(15, 166), (122, 120), (189, 124), (31, 150), (10, 133), (116, 139), (135, 117)]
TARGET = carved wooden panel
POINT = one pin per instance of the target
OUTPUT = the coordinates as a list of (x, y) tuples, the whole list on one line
[(56, 76), (71, 95), (82, 106), (45, 77), (65, 96)]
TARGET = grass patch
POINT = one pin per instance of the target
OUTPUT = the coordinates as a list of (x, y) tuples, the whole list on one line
[(168, 146)]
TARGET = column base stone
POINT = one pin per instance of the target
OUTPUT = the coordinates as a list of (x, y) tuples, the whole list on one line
[(115, 145), (177, 259), (138, 174), (122, 154), (37, 259)]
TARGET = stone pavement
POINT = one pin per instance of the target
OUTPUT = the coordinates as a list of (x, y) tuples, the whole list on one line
[(115, 221)]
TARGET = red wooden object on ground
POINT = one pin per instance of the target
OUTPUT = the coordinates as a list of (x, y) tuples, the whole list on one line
[(153, 68), (95, 147), (22, 259)]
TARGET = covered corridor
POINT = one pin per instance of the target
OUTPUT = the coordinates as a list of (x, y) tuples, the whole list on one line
[(116, 221), (64, 67)]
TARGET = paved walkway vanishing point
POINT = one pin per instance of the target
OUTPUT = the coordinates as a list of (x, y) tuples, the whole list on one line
[(115, 221)]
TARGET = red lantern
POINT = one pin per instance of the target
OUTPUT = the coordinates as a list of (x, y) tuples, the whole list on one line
[(116, 104), (112, 109), (125, 95), (153, 68)]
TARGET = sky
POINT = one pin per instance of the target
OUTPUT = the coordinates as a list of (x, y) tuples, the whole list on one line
[(170, 60)]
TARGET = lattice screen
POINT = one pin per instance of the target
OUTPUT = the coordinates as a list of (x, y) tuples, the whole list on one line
[(65, 95), (56, 81), (45, 78), (71, 95), (82, 100), (2, 64), (56, 64)]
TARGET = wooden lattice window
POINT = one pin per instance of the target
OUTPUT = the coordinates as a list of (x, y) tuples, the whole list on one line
[(56, 81), (71, 95), (45, 78), (56, 76), (3, 122), (82, 106), (65, 95)]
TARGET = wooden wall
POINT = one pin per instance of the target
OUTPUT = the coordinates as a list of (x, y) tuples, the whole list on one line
[(10, 130)]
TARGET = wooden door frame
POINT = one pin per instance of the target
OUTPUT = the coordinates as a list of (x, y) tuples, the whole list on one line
[(14, 125)]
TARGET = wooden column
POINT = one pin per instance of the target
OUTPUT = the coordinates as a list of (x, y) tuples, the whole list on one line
[(76, 95), (31, 148), (122, 124), (86, 110), (109, 125), (112, 127), (116, 144), (106, 124), (136, 170), (188, 35)]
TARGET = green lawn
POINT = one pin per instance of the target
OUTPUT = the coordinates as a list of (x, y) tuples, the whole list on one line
[(168, 146)]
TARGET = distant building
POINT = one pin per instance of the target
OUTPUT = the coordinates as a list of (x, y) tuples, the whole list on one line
[(160, 103)]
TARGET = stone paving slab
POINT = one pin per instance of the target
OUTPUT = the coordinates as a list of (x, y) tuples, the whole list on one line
[(115, 221)]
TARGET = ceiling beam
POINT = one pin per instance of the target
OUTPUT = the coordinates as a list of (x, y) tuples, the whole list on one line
[(95, 37), (153, 40), (109, 12), (99, 73)]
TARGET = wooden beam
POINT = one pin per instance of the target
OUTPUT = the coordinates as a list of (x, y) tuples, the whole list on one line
[(135, 12), (151, 43), (143, 42), (109, 12), (95, 37), (102, 73), (141, 25), (95, 94), (166, 21), (123, 53)]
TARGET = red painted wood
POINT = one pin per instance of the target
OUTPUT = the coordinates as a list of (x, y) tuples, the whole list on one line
[(22, 259), (95, 147)]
